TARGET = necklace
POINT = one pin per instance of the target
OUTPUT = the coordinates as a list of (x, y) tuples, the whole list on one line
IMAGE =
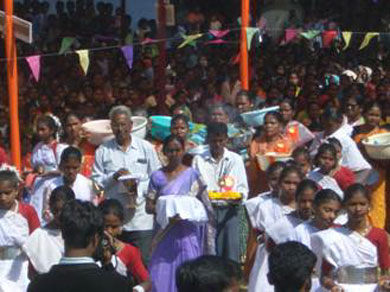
[(363, 232)]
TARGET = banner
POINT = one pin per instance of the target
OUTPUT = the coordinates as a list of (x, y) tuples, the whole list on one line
[(250, 32), (189, 40), (35, 65), (310, 34), (128, 53), (290, 35), (66, 43), (367, 39), (219, 33), (328, 37), (347, 35), (84, 59)]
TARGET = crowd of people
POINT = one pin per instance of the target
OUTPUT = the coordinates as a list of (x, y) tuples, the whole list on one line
[(220, 192)]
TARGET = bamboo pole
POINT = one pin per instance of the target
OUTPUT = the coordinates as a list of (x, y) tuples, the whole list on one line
[(12, 77), (244, 60)]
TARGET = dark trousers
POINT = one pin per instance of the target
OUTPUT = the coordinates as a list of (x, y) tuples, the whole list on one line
[(228, 232), (140, 239)]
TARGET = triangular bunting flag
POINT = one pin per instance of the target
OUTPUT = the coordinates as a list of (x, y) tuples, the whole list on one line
[(347, 35), (250, 32), (148, 41), (128, 54), (328, 37), (367, 38), (219, 33), (84, 59), (215, 42), (290, 34), (66, 43), (35, 65), (310, 34), (189, 40)]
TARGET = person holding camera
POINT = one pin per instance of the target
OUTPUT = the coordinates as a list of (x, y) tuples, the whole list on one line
[(82, 228)]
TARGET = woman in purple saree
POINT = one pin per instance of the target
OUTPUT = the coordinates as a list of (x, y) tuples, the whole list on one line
[(179, 200)]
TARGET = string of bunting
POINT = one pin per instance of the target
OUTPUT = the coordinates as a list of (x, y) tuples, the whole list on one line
[(214, 37)]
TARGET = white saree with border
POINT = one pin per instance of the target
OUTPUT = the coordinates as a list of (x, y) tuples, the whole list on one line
[(342, 247)]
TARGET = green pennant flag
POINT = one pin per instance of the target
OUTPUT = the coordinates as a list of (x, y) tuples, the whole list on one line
[(310, 34), (189, 40), (347, 35), (67, 42), (250, 32)]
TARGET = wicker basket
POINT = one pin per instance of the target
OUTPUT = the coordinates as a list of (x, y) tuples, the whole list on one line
[(378, 146)]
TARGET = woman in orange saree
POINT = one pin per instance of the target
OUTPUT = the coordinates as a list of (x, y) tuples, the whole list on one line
[(379, 214), (74, 137), (270, 141)]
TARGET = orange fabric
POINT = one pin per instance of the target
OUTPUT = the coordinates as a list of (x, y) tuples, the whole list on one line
[(88, 151), (292, 132), (256, 177), (379, 211)]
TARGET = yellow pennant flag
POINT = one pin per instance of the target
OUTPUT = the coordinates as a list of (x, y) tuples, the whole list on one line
[(347, 35), (84, 59), (189, 39), (367, 38)]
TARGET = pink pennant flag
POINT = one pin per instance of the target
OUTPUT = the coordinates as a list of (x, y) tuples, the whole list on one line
[(219, 33), (214, 42), (35, 65), (290, 34), (148, 41)]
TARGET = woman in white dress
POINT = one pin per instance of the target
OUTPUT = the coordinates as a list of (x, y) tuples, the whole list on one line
[(282, 230), (326, 206), (352, 254), (45, 245), (271, 210), (252, 206), (14, 230)]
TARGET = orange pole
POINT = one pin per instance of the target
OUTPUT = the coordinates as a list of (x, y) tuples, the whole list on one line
[(244, 62), (12, 77)]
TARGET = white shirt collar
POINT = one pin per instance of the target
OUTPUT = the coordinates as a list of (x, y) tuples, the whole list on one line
[(76, 260)]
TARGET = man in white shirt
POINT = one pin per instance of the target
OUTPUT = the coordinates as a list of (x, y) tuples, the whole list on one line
[(122, 155), (221, 169)]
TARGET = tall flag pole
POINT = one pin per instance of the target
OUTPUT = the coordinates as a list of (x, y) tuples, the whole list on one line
[(162, 57), (244, 62), (12, 77)]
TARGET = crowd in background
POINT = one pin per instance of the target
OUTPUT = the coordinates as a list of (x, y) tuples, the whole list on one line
[(329, 102)]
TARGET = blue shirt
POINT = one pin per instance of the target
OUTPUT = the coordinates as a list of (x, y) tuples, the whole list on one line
[(139, 158)]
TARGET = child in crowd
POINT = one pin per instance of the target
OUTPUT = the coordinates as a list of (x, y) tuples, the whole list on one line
[(326, 206), (70, 167), (281, 230), (252, 206), (356, 247), (329, 174), (270, 211), (48, 151), (17, 221), (127, 260), (302, 157), (45, 246)]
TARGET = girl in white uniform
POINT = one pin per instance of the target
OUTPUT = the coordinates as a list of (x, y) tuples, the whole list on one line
[(351, 254), (326, 206), (45, 246), (282, 230), (271, 210)]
